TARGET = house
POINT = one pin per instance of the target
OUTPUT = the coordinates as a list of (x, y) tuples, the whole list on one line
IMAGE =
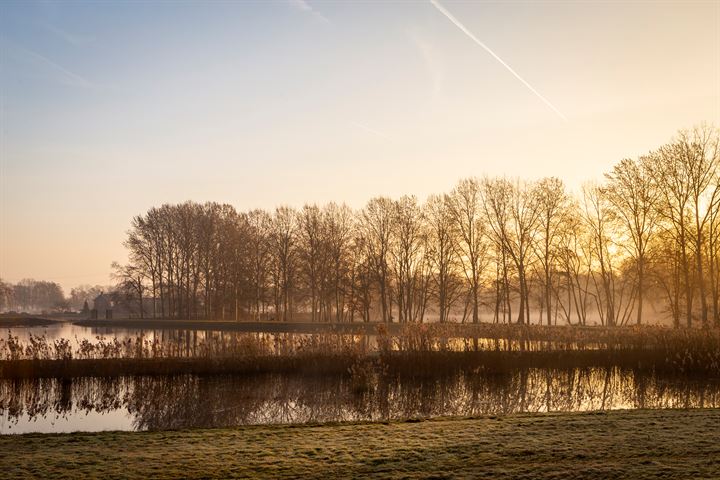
[(115, 305), (102, 307)]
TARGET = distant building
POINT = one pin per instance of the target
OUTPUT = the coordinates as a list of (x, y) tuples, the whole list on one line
[(113, 305), (102, 307)]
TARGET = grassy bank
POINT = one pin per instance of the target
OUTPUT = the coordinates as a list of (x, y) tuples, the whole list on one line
[(623, 444)]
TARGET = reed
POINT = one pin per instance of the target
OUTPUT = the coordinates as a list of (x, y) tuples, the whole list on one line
[(418, 349)]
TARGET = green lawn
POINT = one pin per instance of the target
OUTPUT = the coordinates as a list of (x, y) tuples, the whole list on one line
[(626, 444)]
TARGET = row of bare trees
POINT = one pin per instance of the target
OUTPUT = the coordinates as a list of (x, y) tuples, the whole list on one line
[(492, 249)]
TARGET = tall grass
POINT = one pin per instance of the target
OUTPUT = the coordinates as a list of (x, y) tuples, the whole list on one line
[(417, 349)]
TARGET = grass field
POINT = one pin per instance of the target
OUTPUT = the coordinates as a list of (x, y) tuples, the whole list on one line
[(622, 444)]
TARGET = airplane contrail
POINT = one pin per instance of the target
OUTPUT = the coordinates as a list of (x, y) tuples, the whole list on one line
[(370, 130), (467, 32)]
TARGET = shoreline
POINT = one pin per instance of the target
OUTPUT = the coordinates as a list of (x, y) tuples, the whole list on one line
[(23, 321), (468, 330), (616, 444), (240, 326)]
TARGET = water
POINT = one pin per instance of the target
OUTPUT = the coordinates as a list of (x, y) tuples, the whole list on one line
[(184, 342), (189, 342), (188, 401), (69, 331)]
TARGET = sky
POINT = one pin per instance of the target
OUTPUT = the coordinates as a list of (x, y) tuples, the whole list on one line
[(110, 108)]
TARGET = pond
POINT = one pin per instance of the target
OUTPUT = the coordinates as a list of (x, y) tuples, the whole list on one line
[(189, 401), (189, 342)]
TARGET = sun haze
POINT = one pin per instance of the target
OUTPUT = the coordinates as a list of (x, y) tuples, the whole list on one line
[(110, 110)]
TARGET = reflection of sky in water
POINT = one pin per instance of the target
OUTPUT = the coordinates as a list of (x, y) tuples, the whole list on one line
[(68, 422), (91, 404)]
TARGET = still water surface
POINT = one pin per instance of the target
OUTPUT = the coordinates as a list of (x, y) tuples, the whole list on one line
[(189, 401)]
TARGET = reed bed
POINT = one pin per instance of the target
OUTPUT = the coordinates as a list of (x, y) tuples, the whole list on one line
[(419, 349)]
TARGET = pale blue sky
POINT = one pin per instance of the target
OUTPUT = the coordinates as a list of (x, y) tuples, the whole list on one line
[(109, 109)]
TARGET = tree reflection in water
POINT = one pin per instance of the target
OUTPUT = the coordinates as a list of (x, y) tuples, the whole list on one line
[(154, 403)]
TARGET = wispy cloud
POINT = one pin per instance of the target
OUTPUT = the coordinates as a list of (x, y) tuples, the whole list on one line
[(304, 6), (370, 130), (71, 38), (51, 68), (467, 32), (432, 61)]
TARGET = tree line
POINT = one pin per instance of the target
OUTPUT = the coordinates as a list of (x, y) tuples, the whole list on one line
[(32, 296), (492, 249)]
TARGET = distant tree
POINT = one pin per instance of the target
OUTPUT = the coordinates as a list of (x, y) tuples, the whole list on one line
[(6, 295), (339, 228), (312, 254), (283, 240), (464, 204), (665, 266), (260, 259), (34, 295), (513, 212), (84, 293), (613, 297), (131, 282), (575, 259), (406, 251), (553, 218), (376, 223), (442, 253), (652, 232), (633, 193), (699, 151), (675, 208)]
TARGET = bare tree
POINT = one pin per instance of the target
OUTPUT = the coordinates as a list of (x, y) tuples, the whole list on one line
[(131, 279), (553, 216), (464, 203), (513, 215), (376, 227), (613, 297), (339, 229), (699, 152), (442, 253), (575, 259), (37, 295), (283, 239), (674, 208), (6, 295), (406, 247), (634, 195), (310, 235), (652, 232)]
